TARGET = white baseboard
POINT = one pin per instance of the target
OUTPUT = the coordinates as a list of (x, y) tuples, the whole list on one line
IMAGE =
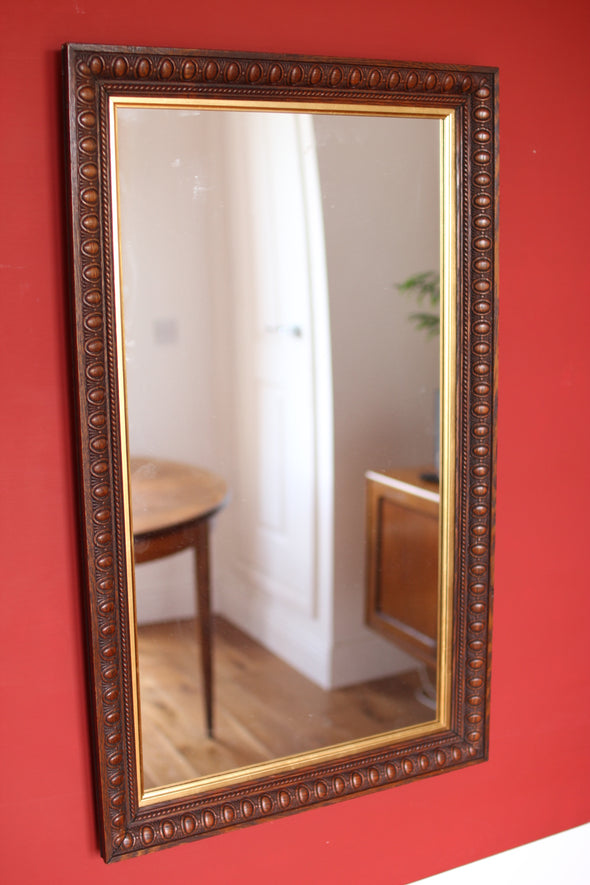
[(561, 859)]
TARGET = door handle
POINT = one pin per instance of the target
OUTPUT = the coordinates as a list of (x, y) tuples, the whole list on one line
[(284, 329)]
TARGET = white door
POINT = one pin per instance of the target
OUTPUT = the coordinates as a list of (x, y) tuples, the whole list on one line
[(275, 501)]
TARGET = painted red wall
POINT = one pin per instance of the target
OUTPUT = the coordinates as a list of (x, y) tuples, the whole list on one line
[(536, 781)]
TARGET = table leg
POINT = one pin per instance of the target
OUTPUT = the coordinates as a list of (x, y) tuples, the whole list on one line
[(204, 613)]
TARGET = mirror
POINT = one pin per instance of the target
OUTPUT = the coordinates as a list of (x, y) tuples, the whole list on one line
[(283, 279)]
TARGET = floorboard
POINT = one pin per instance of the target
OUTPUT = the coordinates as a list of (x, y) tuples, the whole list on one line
[(263, 708)]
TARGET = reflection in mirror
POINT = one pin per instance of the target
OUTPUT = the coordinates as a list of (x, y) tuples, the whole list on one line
[(282, 406)]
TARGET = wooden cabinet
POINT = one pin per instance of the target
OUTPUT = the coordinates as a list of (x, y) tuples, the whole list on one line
[(402, 542)]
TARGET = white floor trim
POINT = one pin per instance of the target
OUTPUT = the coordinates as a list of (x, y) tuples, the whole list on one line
[(561, 859)]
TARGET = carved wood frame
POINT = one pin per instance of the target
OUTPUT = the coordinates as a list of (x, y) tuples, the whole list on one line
[(93, 73)]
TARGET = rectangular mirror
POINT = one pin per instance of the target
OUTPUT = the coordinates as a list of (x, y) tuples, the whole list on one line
[(284, 297)]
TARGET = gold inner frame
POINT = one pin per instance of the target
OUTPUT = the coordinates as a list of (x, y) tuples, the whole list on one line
[(448, 380)]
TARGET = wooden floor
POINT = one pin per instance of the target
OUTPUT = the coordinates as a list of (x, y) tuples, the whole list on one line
[(263, 709)]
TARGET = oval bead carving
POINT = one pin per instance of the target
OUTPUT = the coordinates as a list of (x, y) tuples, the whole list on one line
[(374, 79), (90, 223), (168, 829), (275, 73), (315, 75), (208, 819), (303, 794), (393, 80), (482, 201), (90, 248), (355, 77), (89, 171), (211, 70), (105, 562), (254, 73), (189, 70), (91, 273), (87, 120), (119, 67), (335, 76), (321, 790), (339, 785), (96, 65), (482, 244), (247, 808), (143, 68), (93, 298), (97, 396), (86, 93), (482, 222), (412, 80), (228, 814), (356, 780), (482, 157), (266, 804), (166, 69), (482, 179), (89, 196)]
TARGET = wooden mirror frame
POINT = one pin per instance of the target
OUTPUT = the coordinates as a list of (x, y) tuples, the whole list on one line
[(94, 74)]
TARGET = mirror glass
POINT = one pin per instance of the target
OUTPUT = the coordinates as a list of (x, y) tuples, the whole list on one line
[(279, 278)]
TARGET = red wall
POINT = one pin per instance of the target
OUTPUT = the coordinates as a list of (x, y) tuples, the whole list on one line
[(536, 781)]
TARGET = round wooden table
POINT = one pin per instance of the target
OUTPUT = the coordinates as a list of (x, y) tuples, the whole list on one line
[(171, 505)]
